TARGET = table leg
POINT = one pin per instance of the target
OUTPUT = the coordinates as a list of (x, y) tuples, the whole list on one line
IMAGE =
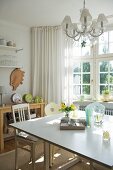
[(1, 132), (37, 114), (91, 165), (42, 110), (46, 155)]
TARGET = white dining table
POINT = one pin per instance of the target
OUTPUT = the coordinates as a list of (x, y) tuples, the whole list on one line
[(87, 143)]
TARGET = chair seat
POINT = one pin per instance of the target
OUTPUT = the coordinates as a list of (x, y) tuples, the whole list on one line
[(27, 136)]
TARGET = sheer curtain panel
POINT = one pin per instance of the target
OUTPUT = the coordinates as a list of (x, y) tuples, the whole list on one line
[(47, 63)]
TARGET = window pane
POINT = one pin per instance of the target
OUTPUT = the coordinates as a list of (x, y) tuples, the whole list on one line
[(103, 78), (110, 47), (103, 38), (86, 78), (106, 75), (76, 68), (76, 51), (86, 39), (103, 49), (86, 89), (110, 36), (76, 79), (111, 78), (77, 90), (86, 51), (102, 87), (111, 88), (86, 67), (106, 43), (111, 66), (103, 43), (103, 66)]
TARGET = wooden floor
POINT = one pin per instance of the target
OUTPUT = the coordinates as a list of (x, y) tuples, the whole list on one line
[(9, 145)]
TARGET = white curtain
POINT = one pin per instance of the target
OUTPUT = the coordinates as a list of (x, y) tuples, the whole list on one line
[(68, 75), (51, 65)]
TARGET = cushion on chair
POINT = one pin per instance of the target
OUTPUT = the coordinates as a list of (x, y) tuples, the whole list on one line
[(27, 136)]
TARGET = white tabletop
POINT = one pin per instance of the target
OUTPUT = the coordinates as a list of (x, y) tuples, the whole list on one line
[(88, 143)]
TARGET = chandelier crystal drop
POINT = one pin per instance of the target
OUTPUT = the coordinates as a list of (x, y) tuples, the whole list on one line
[(86, 28)]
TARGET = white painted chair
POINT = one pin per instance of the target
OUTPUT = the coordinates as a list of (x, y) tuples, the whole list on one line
[(21, 112), (50, 109)]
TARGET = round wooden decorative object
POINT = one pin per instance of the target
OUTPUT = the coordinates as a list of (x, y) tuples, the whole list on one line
[(16, 78)]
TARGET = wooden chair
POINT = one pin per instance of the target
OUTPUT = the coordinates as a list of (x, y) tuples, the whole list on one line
[(50, 109), (21, 112)]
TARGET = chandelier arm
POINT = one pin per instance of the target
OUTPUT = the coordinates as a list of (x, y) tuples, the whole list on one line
[(90, 30), (96, 35), (84, 31), (88, 27), (84, 4), (71, 36), (77, 38)]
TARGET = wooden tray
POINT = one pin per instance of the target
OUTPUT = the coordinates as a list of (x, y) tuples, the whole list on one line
[(77, 126), (65, 124)]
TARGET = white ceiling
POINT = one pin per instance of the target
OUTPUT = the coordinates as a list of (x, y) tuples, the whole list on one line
[(50, 12)]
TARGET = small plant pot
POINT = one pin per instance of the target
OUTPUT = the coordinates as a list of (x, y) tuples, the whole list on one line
[(106, 97)]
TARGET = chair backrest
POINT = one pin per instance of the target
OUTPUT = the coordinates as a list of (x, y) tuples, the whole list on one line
[(51, 108), (21, 112)]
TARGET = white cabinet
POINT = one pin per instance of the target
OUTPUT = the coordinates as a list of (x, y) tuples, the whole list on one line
[(8, 57)]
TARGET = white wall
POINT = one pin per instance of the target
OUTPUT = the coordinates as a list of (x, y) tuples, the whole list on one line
[(21, 36)]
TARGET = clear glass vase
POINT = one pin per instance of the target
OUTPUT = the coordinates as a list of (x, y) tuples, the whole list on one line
[(67, 113)]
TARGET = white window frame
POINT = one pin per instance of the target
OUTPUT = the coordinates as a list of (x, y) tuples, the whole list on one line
[(91, 74), (94, 60), (110, 58)]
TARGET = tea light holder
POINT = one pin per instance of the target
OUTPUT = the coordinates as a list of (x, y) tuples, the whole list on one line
[(106, 135)]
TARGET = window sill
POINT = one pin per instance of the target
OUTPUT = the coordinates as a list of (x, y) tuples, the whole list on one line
[(108, 105)]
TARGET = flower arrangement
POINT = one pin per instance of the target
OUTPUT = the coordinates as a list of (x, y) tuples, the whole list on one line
[(65, 108)]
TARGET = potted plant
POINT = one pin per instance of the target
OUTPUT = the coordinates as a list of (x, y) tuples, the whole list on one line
[(106, 95)]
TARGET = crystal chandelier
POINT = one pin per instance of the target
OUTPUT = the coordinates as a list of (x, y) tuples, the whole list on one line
[(86, 28)]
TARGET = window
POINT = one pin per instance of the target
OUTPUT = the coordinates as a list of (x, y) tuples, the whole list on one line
[(78, 51), (106, 43), (81, 78), (82, 69), (106, 75), (93, 66)]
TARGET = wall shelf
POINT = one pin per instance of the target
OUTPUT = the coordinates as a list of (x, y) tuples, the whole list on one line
[(10, 48), (15, 66), (7, 58), (7, 47)]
